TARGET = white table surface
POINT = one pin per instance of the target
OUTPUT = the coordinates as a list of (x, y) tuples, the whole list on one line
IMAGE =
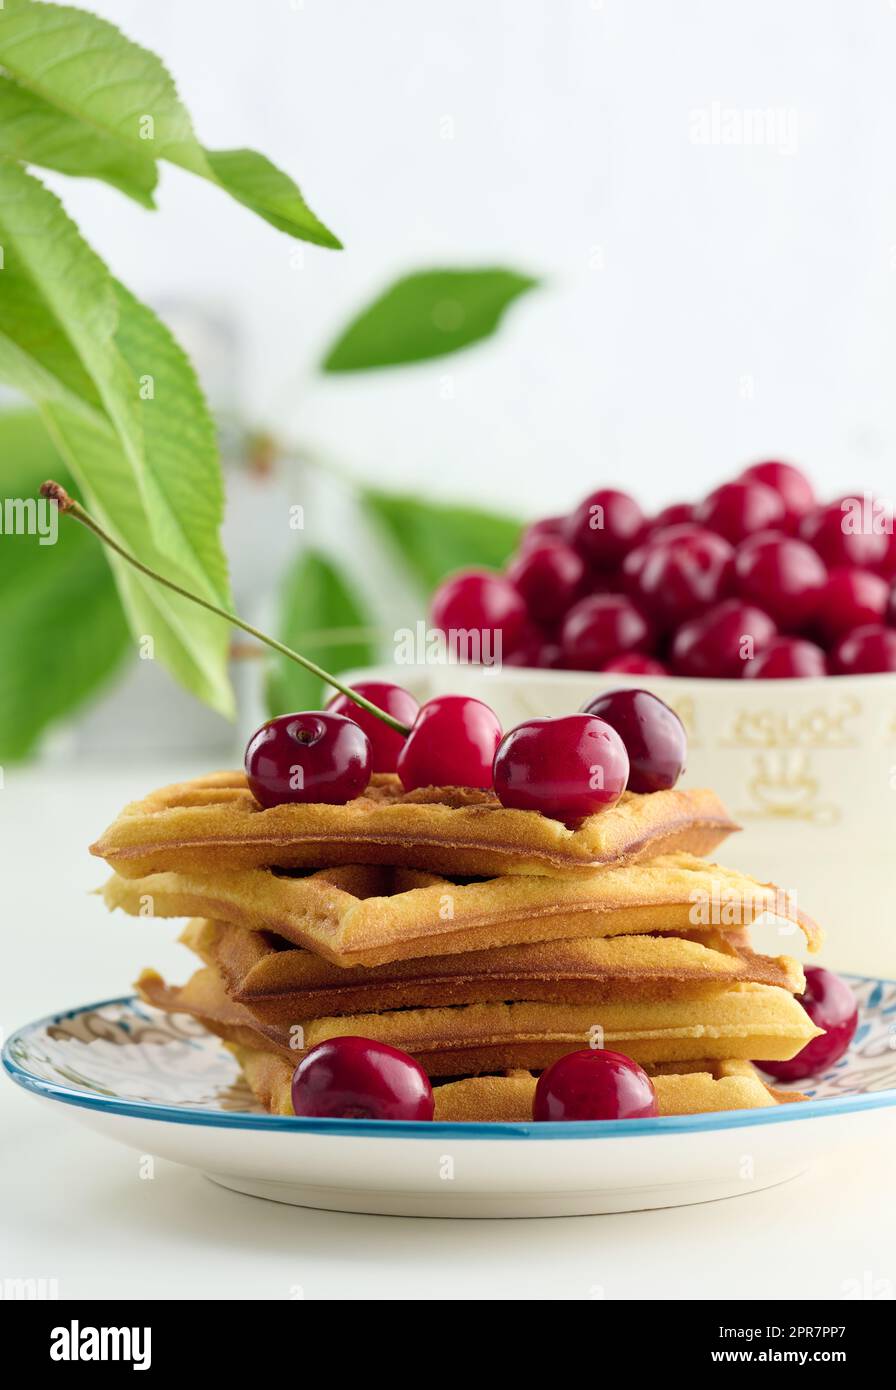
[(73, 1207)]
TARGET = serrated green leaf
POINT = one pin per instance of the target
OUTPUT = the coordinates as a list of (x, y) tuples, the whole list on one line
[(58, 312), (259, 185), (64, 633), (190, 642), (424, 315), (84, 67), (34, 132), (434, 538), (108, 375), (316, 598)]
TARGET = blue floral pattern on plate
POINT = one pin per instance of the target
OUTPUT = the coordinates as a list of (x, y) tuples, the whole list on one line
[(126, 1051)]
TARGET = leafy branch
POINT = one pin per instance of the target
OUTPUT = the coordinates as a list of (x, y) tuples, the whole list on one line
[(117, 395)]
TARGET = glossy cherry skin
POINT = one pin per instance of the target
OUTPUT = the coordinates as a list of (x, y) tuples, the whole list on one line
[(600, 627), (674, 515), (786, 658), (865, 651), (452, 744), (604, 526), (527, 649), (481, 602), (720, 643), (547, 528), (850, 598), (310, 756), (385, 743), (653, 734), (792, 486), (548, 577), (594, 1085), (891, 607), (678, 573), (782, 575), (827, 531), (636, 664), (736, 510), (349, 1078), (566, 768), (831, 1005)]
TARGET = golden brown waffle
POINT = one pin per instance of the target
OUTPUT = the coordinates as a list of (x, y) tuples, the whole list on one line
[(215, 823), (696, 1088), (369, 915), (281, 983), (737, 1021)]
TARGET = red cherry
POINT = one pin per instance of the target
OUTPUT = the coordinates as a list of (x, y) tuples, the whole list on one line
[(528, 647), (600, 627), (865, 651), (594, 1085), (311, 756), (673, 515), (547, 576), (831, 1005), (636, 664), (565, 768), (782, 575), (350, 1078), (786, 658), (887, 566), (550, 656), (385, 743), (891, 607), (653, 734), (792, 486), (482, 603), (452, 744), (738, 509), (721, 642), (548, 528), (604, 526), (829, 530), (679, 572), (850, 598)]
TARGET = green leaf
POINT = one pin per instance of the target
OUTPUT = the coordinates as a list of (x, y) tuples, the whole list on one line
[(58, 313), (112, 383), (259, 185), (435, 538), (116, 91), (322, 617), (64, 633), (428, 314), (34, 132)]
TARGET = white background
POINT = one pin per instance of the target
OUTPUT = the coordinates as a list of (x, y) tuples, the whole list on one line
[(703, 306)]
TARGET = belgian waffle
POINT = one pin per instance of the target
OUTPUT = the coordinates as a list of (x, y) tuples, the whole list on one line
[(694, 1088), (756, 1021), (281, 983), (214, 823), (370, 915)]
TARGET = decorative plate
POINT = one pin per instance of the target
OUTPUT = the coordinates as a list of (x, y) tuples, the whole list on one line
[(162, 1085)]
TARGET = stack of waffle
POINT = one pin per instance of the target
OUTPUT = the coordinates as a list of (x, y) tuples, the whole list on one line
[(485, 942)]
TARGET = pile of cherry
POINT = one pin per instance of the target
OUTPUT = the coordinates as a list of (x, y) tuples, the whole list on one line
[(569, 767), (758, 580)]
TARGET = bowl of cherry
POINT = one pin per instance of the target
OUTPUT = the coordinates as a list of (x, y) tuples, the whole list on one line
[(765, 617)]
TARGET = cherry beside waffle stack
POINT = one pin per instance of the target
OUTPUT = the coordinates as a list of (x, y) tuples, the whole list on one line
[(486, 942)]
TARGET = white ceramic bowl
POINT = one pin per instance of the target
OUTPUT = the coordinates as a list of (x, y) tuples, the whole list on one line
[(807, 767)]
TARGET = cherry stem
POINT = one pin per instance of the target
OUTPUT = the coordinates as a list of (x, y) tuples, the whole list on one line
[(54, 492)]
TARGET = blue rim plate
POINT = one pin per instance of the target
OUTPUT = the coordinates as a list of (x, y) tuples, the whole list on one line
[(117, 1055)]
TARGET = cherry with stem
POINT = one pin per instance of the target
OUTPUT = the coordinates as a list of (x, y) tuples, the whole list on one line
[(55, 492)]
